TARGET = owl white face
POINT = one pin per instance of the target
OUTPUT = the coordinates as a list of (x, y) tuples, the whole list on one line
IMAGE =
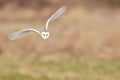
[(45, 35)]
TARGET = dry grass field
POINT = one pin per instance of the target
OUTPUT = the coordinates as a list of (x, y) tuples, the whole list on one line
[(83, 46)]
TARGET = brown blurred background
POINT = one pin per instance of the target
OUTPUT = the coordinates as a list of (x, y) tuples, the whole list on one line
[(89, 28)]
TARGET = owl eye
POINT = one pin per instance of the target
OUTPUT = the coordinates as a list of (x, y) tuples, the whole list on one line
[(43, 34), (46, 34)]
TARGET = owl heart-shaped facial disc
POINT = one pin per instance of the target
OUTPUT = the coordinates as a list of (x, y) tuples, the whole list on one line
[(45, 35)]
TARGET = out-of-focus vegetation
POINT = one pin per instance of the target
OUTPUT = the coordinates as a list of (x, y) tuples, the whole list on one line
[(32, 68), (84, 43), (24, 10)]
